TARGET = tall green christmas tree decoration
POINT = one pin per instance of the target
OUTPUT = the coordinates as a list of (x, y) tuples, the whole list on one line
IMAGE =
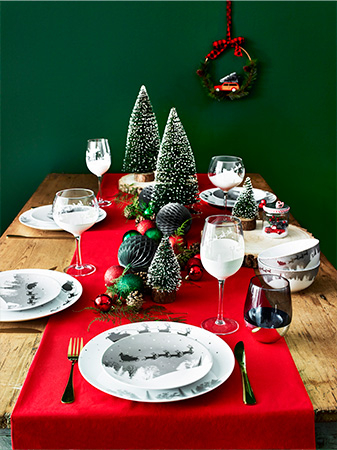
[(164, 275), (245, 206), (176, 179), (143, 140)]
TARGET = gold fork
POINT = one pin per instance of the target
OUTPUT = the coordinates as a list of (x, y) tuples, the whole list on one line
[(74, 348)]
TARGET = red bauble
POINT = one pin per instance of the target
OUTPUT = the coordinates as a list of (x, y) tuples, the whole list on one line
[(103, 302), (178, 243), (112, 274), (193, 262), (195, 273), (262, 203), (197, 256), (145, 225)]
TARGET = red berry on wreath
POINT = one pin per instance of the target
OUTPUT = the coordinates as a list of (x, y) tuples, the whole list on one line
[(103, 302), (145, 225), (112, 274)]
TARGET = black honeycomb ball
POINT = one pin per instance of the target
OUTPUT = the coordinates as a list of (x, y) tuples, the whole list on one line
[(171, 216), (137, 251), (145, 197)]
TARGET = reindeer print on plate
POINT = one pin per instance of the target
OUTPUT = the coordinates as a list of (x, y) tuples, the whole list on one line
[(157, 360), (20, 291), (92, 369)]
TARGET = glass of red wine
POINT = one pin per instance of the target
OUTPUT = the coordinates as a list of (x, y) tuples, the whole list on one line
[(268, 310)]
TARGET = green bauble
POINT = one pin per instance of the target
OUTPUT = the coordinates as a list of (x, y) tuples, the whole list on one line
[(130, 233), (154, 233), (129, 283)]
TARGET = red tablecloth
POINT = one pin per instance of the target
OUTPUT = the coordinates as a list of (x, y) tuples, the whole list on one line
[(282, 418)]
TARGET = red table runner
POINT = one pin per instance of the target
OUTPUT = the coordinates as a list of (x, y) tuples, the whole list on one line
[(282, 418)]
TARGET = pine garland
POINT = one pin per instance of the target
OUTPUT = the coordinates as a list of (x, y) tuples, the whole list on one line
[(151, 313)]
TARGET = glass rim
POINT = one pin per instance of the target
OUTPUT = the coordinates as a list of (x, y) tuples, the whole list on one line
[(233, 219), (90, 193), (270, 288), (97, 139), (230, 157)]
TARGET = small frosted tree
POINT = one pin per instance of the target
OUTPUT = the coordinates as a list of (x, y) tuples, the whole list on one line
[(164, 272), (176, 179), (245, 205), (143, 140)]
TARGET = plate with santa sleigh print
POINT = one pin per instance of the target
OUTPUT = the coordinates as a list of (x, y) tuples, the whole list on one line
[(156, 354), (215, 196)]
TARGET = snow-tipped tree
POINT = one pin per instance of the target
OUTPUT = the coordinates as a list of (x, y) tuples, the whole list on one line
[(245, 205), (164, 272), (143, 140), (176, 179)]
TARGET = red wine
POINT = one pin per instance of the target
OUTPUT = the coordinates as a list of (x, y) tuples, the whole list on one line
[(267, 324)]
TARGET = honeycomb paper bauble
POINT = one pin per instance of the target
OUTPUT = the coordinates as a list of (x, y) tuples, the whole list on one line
[(171, 216), (137, 251), (145, 197)]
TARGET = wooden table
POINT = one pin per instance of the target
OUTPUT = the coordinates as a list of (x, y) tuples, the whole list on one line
[(311, 338)]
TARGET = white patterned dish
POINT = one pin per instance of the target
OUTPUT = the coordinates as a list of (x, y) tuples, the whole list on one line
[(91, 368), (71, 291), (20, 291), (40, 218), (215, 196), (157, 360)]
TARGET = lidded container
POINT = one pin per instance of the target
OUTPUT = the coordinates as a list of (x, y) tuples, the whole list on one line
[(275, 219)]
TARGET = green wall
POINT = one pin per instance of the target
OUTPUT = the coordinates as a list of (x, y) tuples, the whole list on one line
[(72, 71)]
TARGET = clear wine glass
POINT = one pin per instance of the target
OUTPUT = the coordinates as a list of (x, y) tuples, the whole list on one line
[(226, 172), (76, 210), (268, 310), (98, 159), (222, 252)]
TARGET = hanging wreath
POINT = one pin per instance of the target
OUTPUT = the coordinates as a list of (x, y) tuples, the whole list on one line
[(232, 86)]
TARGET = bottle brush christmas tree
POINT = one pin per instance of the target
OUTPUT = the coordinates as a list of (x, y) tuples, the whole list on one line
[(176, 179), (164, 275), (143, 140), (245, 206)]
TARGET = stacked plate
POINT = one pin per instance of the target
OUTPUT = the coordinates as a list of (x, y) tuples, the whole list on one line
[(215, 196), (41, 218), (28, 294), (156, 361)]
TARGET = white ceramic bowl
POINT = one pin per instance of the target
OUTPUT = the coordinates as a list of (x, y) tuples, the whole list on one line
[(294, 255), (298, 279)]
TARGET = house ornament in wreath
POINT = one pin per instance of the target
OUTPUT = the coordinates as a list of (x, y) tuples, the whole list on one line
[(233, 86)]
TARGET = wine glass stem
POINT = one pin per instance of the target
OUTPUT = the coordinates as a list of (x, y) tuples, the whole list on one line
[(99, 187), (225, 200), (219, 319), (79, 264)]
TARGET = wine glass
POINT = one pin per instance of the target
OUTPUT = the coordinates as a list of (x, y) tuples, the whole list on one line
[(267, 310), (98, 159), (226, 172), (76, 210), (222, 252)]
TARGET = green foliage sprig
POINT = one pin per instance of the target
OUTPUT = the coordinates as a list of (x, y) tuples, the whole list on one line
[(119, 312)]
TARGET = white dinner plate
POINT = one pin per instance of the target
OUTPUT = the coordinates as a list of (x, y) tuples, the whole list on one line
[(40, 218), (215, 196), (91, 367), (157, 360), (71, 291), (20, 291)]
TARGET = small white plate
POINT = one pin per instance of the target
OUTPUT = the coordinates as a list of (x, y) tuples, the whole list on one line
[(215, 196), (157, 360), (71, 291), (40, 218), (20, 291), (91, 367)]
